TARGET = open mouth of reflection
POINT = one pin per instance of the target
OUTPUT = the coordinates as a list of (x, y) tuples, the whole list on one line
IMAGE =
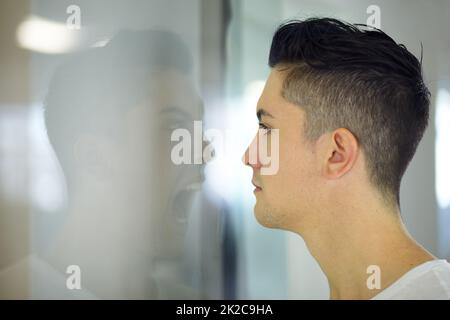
[(183, 202)]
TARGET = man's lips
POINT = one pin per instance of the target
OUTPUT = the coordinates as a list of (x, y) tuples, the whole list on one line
[(257, 187), (181, 200)]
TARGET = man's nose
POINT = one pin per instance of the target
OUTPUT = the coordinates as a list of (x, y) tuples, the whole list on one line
[(251, 157), (245, 157)]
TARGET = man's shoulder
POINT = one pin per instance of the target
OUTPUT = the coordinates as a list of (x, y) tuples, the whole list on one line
[(34, 278), (14, 280), (428, 281)]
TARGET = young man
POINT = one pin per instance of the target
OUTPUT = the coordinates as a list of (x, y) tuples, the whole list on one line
[(350, 107)]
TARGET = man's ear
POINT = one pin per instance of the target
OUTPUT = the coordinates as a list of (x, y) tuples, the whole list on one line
[(91, 156), (341, 153)]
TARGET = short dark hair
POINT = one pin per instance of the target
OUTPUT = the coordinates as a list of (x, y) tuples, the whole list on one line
[(359, 78)]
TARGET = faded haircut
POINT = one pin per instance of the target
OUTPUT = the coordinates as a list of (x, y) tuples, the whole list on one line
[(359, 78)]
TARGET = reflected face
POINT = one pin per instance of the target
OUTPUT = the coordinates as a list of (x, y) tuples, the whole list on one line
[(283, 199), (111, 113), (161, 191)]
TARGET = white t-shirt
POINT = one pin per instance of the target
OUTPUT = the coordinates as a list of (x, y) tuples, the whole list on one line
[(428, 281)]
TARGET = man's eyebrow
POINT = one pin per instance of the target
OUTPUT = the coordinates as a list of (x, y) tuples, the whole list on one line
[(199, 104), (262, 112), (175, 110)]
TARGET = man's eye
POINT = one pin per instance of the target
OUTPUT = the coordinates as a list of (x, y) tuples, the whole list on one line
[(265, 128)]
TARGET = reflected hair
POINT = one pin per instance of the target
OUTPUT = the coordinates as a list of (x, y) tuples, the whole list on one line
[(91, 91)]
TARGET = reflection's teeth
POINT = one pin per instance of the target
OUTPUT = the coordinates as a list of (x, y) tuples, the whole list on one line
[(194, 187)]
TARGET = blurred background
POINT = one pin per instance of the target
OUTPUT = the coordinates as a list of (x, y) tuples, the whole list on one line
[(90, 94)]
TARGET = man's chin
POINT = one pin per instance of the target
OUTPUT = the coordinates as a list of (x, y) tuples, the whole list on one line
[(265, 217)]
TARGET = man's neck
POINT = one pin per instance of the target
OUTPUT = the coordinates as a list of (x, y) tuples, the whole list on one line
[(353, 243)]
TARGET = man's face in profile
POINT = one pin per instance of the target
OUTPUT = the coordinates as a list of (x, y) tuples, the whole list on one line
[(283, 200)]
